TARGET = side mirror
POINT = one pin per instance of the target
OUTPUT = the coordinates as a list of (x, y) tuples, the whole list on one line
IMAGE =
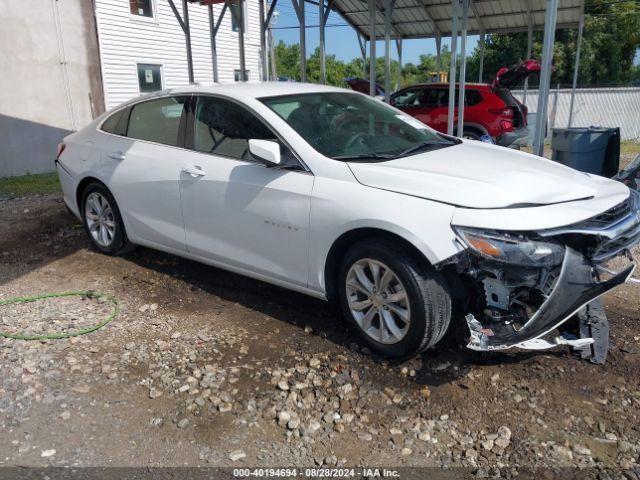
[(266, 151)]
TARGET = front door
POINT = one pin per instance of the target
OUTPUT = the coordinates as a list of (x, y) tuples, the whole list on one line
[(236, 210)]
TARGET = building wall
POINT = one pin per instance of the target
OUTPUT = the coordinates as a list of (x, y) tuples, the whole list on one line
[(50, 82), (127, 40)]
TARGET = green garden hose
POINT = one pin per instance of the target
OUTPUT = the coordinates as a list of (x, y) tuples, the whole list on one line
[(58, 336)]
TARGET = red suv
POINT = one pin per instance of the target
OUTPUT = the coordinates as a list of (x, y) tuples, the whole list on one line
[(489, 109)]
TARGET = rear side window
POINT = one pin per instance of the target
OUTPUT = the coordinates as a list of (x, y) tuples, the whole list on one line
[(224, 128), (116, 123), (158, 120), (472, 97)]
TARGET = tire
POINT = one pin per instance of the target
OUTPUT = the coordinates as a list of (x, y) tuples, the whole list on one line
[(114, 241), (470, 134), (426, 303)]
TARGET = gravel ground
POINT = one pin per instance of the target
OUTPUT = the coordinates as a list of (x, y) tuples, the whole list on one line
[(207, 368)]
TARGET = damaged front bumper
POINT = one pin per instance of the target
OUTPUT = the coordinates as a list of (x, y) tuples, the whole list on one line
[(574, 288)]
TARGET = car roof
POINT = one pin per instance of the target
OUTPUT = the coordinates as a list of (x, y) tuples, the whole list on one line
[(258, 89), (474, 86)]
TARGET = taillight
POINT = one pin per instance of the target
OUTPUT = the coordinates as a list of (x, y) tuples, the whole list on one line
[(506, 125), (61, 147), (505, 112)]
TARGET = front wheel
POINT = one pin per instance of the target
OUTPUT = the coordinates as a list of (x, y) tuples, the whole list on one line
[(398, 305)]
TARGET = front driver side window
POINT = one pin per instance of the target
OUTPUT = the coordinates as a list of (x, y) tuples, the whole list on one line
[(224, 128)]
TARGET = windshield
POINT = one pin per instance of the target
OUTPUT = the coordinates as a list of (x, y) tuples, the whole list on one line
[(348, 126)]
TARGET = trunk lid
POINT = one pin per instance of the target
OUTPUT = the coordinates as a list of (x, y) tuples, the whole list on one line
[(510, 77)]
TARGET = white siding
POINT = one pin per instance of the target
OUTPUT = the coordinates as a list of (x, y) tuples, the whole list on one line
[(127, 40), (603, 107)]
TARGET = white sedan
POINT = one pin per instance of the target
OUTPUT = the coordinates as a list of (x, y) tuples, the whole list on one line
[(334, 194)]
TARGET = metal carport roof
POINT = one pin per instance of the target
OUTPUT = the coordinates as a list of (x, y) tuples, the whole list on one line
[(431, 18)]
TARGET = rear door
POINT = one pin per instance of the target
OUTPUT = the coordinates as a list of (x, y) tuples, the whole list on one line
[(418, 102), (145, 169), (237, 211)]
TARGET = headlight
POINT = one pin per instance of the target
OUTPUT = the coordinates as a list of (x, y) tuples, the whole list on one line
[(513, 249)]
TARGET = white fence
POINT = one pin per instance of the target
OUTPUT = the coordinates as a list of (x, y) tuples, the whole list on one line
[(603, 107)]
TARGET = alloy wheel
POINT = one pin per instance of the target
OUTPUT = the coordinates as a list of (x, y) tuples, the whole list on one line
[(378, 301), (100, 219)]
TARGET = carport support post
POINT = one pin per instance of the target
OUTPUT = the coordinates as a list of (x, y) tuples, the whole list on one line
[(551, 17), (388, 10), (452, 66), (298, 6), (576, 66), (481, 69), (184, 24), (362, 43), (214, 50), (438, 50), (463, 65), (372, 47), (324, 16), (529, 46), (238, 16), (399, 48), (263, 43)]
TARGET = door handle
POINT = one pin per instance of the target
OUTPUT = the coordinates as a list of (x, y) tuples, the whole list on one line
[(194, 170), (117, 156)]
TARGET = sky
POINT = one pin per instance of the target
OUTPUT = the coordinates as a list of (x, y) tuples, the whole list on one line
[(341, 40)]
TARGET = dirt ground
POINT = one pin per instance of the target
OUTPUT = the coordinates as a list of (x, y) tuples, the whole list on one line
[(202, 367)]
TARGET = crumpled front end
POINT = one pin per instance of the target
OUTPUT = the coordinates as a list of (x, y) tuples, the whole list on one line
[(527, 284), (574, 288)]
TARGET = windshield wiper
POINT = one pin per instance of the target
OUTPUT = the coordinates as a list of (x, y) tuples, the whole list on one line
[(365, 157), (423, 146)]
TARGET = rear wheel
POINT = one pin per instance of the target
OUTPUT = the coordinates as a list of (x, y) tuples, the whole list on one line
[(397, 305), (470, 135), (102, 220)]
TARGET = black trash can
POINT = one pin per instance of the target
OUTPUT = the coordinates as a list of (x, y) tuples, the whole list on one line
[(593, 150)]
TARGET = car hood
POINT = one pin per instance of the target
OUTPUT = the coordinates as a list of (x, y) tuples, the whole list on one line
[(478, 175)]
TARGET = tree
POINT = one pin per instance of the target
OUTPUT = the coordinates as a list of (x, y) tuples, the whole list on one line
[(610, 42)]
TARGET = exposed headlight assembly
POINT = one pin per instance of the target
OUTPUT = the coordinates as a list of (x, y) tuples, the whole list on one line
[(510, 248)]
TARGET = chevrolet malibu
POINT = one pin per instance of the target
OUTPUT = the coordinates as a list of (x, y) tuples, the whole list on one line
[(334, 194)]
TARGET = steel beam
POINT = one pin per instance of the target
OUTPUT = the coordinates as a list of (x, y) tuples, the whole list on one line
[(463, 66), (529, 46), (238, 16), (438, 53), (323, 16), (434, 25), (362, 43), (481, 69), (545, 76), (263, 43), (372, 47), (298, 6), (184, 24), (452, 67), (576, 67), (399, 49), (212, 39), (388, 10)]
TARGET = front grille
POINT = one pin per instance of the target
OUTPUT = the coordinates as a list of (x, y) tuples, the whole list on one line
[(610, 217), (610, 248), (610, 233)]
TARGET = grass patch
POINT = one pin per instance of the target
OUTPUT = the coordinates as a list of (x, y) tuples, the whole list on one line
[(630, 148), (26, 184)]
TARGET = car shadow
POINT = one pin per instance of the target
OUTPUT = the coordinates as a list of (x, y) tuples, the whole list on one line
[(448, 362)]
